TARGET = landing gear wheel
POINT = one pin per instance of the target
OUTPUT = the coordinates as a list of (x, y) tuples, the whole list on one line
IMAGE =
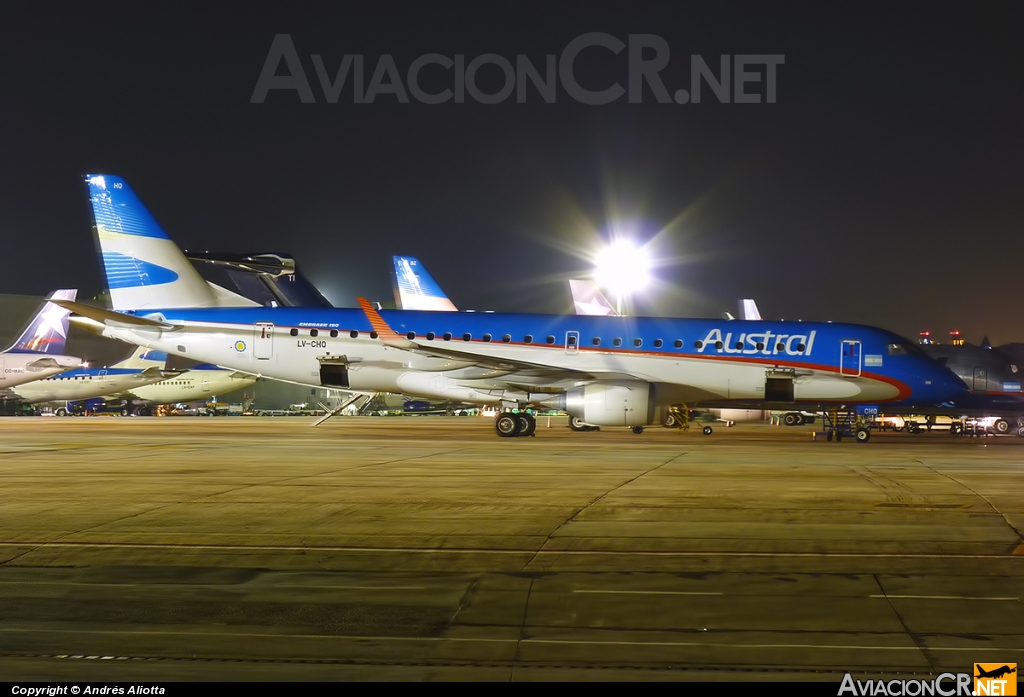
[(506, 425), (1001, 426), (576, 424), (638, 430), (955, 429), (807, 419), (1020, 431), (792, 419), (828, 436), (839, 437), (124, 412), (61, 411), (863, 435), (669, 421), (527, 425), (707, 430)]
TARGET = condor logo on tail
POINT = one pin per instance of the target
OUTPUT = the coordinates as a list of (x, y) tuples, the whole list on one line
[(763, 343)]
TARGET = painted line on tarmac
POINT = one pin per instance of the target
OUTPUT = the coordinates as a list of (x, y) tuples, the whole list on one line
[(944, 597), (505, 552), (173, 584), (615, 592), (493, 640)]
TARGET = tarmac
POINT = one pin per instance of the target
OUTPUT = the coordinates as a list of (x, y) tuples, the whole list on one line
[(427, 548)]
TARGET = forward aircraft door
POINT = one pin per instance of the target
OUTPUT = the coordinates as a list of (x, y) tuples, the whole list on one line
[(849, 358), (263, 340)]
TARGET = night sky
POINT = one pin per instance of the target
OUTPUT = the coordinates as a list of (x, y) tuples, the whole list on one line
[(883, 187)]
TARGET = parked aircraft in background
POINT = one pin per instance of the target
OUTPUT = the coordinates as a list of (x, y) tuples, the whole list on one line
[(415, 289), (607, 371), (38, 352), (199, 382), (90, 383)]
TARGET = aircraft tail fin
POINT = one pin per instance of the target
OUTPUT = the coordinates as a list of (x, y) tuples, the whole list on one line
[(587, 299), (48, 330), (415, 289), (144, 268), (748, 309), (143, 358)]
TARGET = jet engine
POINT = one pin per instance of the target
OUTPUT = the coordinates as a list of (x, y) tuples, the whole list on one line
[(621, 404)]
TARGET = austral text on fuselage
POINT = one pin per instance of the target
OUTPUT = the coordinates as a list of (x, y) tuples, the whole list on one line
[(765, 343)]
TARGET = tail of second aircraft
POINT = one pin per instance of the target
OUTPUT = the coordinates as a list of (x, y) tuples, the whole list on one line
[(48, 330), (587, 299), (415, 289), (144, 267)]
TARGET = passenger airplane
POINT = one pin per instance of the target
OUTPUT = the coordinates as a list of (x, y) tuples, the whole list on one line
[(37, 353), (605, 371), (202, 381), (91, 383)]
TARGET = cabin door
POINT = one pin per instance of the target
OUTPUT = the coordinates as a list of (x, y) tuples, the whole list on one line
[(849, 358)]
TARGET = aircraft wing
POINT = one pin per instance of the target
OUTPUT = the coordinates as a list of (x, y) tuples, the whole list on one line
[(111, 318), (506, 365)]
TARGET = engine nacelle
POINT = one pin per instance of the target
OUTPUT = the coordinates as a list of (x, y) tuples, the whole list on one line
[(622, 404)]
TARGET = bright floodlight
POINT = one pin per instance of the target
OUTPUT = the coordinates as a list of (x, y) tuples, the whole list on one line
[(622, 268)]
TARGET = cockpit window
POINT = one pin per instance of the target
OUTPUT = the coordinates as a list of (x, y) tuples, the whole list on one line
[(902, 348)]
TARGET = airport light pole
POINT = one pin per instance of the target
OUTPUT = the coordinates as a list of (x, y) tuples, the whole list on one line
[(622, 268)]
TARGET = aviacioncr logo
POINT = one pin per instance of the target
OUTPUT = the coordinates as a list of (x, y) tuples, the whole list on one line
[(764, 343)]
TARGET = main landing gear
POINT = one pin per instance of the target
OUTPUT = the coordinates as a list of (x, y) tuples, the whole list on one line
[(509, 425), (577, 424)]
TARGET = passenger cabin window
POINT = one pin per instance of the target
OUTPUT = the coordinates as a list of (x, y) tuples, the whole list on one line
[(800, 348), (718, 345), (617, 341), (373, 335), (507, 338), (596, 341), (354, 334), (528, 339), (294, 332), (698, 344), (570, 340), (678, 343), (658, 343), (334, 333), (638, 342), (487, 337), (447, 336), (430, 336), (760, 346), (410, 336), (467, 337), (313, 332), (550, 339), (739, 345)]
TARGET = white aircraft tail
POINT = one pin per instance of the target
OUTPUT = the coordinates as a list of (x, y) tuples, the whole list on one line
[(748, 309), (144, 358), (587, 299)]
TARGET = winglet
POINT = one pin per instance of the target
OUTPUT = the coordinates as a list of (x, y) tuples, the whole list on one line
[(384, 332)]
